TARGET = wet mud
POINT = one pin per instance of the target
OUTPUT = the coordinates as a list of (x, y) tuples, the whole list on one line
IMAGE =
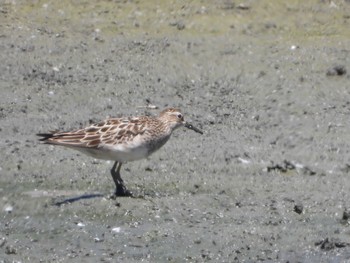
[(267, 83)]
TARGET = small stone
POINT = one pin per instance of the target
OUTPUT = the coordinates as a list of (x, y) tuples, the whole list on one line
[(80, 224), (197, 241), (116, 229), (298, 208), (97, 239), (243, 6), (346, 215), (180, 25), (337, 70), (8, 208), (10, 250)]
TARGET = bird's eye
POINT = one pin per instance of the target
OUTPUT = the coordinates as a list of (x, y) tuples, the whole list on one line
[(180, 116)]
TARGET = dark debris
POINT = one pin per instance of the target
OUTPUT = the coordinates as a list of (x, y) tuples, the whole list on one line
[(331, 243)]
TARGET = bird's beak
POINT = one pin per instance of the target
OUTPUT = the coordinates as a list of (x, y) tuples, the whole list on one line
[(190, 126)]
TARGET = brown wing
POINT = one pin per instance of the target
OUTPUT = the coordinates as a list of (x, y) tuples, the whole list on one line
[(123, 130), (112, 131), (64, 138)]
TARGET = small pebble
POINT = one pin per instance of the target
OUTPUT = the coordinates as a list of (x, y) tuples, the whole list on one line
[(180, 25), (346, 215), (243, 6), (8, 208), (298, 208), (116, 229), (10, 250), (337, 70), (80, 224), (97, 240)]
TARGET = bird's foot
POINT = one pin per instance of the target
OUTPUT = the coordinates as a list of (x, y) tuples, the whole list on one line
[(121, 191)]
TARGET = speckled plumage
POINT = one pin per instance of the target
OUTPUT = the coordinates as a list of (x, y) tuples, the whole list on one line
[(121, 139)]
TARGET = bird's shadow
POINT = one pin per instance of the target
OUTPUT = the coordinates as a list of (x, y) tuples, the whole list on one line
[(77, 198), (89, 196)]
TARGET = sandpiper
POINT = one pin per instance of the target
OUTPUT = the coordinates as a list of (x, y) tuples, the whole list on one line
[(122, 139)]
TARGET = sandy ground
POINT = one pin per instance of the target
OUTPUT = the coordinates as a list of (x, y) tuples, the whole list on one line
[(267, 82)]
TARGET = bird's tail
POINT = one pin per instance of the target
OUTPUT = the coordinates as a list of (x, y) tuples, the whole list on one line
[(45, 136)]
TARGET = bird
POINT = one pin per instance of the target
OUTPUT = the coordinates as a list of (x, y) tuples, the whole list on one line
[(121, 140)]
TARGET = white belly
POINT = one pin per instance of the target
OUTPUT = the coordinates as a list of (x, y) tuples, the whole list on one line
[(128, 152), (116, 155)]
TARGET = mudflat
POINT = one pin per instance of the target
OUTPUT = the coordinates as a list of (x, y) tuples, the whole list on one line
[(267, 82)]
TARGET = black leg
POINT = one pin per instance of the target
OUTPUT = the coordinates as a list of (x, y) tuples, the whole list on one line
[(119, 183)]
